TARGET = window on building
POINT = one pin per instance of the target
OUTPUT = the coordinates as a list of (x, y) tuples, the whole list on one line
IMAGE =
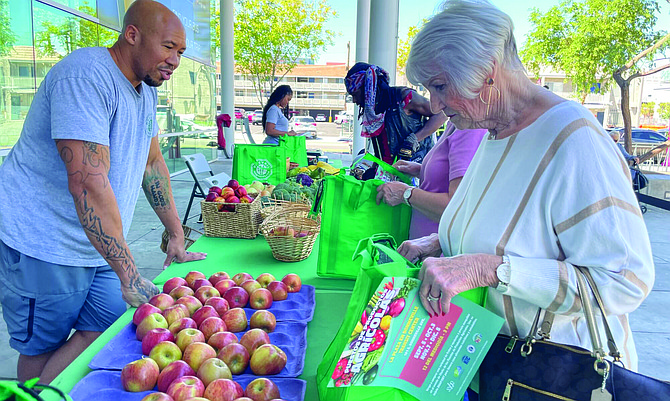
[(310, 95), (301, 95), (239, 92), (303, 79)]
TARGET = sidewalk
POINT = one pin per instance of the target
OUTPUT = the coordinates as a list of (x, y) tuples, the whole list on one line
[(650, 322)]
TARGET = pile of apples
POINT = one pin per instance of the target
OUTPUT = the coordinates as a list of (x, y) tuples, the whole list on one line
[(235, 193), (289, 232), (187, 333)]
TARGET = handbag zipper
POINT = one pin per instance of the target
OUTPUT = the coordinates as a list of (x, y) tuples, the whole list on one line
[(510, 383), (514, 339)]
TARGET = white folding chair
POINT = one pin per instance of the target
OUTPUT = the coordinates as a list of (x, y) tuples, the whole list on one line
[(197, 164), (218, 180)]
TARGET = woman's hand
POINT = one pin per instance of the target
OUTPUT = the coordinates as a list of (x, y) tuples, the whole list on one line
[(443, 278), (292, 133), (391, 193), (409, 168), (420, 248)]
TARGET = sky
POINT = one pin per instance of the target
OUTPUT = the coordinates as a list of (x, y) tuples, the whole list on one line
[(413, 11)]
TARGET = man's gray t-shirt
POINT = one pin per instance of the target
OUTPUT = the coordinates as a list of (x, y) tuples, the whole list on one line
[(84, 97)]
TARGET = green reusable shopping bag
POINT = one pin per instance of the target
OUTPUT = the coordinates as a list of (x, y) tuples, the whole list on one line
[(296, 148), (378, 260), (389, 168), (349, 213), (264, 163)]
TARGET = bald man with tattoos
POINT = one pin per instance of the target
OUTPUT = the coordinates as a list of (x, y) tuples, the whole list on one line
[(69, 187)]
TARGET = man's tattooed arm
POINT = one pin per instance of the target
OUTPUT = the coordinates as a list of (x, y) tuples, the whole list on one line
[(87, 165)]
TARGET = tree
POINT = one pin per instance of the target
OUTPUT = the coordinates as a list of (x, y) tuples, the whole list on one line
[(590, 41), (404, 45), (271, 35), (664, 111), (647, 109), (7, 37)]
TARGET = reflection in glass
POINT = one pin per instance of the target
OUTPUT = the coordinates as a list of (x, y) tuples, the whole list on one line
[(85, 6)]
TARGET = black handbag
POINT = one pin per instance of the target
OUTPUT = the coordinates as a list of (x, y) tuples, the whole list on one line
[(640, 181), (536, 369)]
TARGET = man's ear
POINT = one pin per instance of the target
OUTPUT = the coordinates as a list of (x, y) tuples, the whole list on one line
[(132, 35)]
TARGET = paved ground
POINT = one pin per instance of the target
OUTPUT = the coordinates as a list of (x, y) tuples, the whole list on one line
[(650, 323)]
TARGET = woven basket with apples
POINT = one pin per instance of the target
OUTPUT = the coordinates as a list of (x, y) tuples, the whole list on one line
[(231, 212), (291, 233)]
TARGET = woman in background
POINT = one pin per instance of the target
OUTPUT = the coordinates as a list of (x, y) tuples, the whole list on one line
[(275, 123)]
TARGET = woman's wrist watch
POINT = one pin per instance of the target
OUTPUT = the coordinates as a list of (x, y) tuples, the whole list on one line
[(406, 195), (504, 273)]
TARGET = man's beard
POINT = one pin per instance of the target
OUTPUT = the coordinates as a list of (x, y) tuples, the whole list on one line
[(151, 82)]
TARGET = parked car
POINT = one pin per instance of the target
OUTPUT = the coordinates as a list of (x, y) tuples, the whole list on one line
[(321, 117), (343, 118), (642, 136), (256, 117), (663, 131), (303, 125), (239, 113)]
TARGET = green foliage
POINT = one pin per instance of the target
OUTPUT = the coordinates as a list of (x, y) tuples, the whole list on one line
[(7, 37), (404, 45), (62, 39), (664, 111), (590, 39), (647, 109), (271, 35)]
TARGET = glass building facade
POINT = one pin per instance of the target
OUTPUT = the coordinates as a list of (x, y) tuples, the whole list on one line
[(36, 34)]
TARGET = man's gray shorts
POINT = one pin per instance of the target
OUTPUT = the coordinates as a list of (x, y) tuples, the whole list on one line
[(42, 302)]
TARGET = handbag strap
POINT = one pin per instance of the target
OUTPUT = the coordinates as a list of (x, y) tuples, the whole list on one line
[(590, 317)]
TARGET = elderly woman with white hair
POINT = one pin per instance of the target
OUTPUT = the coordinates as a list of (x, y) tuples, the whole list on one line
[(546, 191)]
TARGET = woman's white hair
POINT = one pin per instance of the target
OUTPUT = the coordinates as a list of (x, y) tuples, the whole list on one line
[(463, 41)]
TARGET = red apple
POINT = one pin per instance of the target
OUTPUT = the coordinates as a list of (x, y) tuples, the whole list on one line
[(224, 284), (278, 290), (293, 282), (235, 320), (213, 369), (233, 184), (192, 276), (181, 291), (143, 311), (197, 353), (205, 292), (191, 302), (172, 372), (221, 339), (262, 389), (211, 197), (212, 325), (185, 323), (200, 282), (157, 397), (268, 359), (218, 276), (261, 298), (227, 192), (187, 337), (253, 339), (223, 390), (250, 285), (236, 356), (203, 313), (140, 375), (215, 189), (153, 321), (164, 353), (241, 191), (237, 297), (173, 283), (153, 337), (240, 278), (175, 313), (219, 304), (265, 279), (186, 387), (161, 301), (264, 320)]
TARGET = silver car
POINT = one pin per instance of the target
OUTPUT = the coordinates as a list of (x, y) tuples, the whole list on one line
[(257, 117), (303, 125)]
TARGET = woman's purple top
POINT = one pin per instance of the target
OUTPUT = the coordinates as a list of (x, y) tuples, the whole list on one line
[(446, 161)]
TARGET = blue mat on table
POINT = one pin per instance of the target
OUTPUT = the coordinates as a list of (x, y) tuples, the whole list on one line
[(105, 385), (123, 348), (297, 306)]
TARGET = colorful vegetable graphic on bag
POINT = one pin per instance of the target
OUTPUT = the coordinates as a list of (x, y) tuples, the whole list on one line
[(339, 368), (379, 340), (396, 307)]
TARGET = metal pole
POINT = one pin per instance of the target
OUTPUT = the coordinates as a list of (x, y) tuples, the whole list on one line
[(227, 70), (384, 35), (362, 39)]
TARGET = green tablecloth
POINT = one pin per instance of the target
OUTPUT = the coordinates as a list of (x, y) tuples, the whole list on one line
[(254, 257)]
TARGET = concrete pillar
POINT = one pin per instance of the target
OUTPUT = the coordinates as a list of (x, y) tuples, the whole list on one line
[(384, 35), (362, 41), (227, 70)]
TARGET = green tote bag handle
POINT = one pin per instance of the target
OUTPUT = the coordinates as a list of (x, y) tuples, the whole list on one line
[(357, 198)]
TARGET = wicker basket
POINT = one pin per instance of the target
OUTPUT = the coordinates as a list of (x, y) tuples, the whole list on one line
[(187, 240), (243, 222), (270, 206), (289, 248)]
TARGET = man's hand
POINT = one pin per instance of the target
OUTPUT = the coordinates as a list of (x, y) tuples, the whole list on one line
[(177, 252), (138, 290)]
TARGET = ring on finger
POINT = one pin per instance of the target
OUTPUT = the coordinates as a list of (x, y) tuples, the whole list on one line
[(431, 298)]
